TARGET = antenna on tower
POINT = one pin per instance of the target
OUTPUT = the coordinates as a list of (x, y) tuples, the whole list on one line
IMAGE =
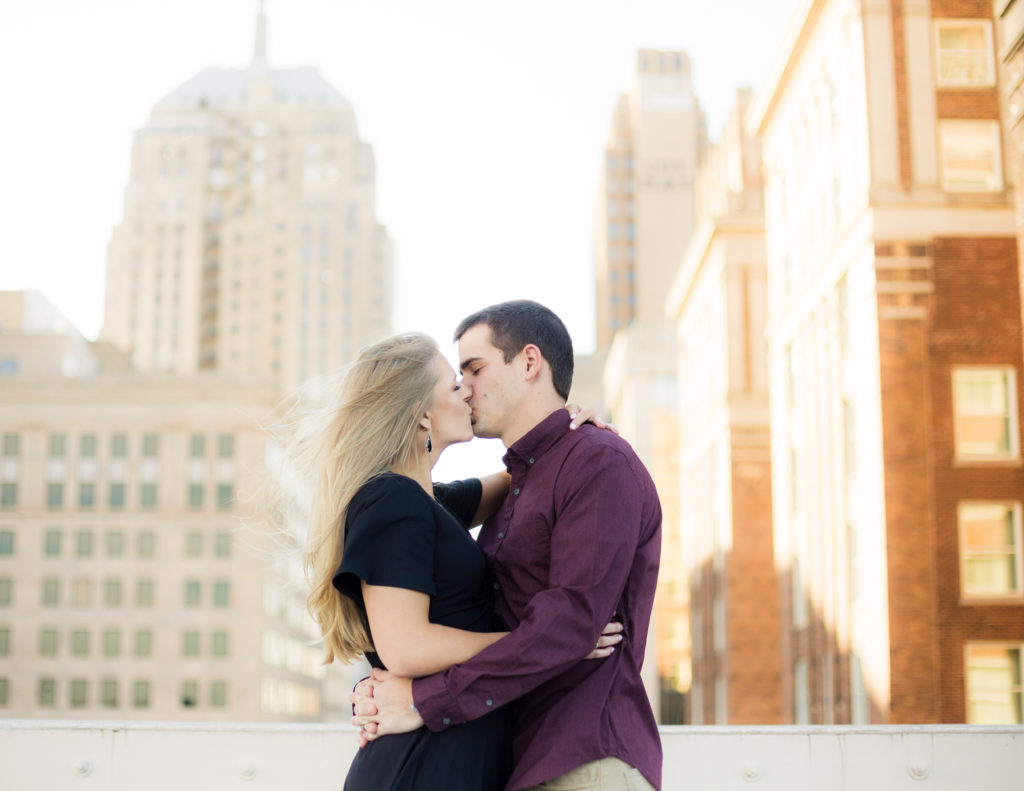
[(259, 52)]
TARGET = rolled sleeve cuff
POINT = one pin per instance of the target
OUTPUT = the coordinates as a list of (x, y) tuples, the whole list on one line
[(436, 706)]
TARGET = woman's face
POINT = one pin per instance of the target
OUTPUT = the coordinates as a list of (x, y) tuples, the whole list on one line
[(449, 414)]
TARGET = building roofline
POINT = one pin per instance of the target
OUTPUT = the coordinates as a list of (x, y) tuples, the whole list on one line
[(767, 97)]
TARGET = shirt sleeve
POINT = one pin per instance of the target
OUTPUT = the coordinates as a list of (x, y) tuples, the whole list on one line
[(389, 540), (462, 498), (599, 513)]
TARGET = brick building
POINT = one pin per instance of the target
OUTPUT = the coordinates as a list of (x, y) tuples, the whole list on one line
[(718, 301), (895, 356)]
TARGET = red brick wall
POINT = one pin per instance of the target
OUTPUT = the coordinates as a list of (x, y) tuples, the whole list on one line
[(752, 601), (976, 320)]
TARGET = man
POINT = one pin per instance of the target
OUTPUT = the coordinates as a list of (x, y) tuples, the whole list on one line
[(576, 541)]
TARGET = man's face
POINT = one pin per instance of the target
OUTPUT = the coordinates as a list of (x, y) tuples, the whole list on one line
[(495, 384)]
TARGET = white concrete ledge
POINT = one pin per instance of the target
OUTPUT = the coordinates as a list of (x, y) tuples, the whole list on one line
[(61, 755)]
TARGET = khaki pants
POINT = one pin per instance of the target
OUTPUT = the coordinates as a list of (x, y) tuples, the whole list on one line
[(608, 774)]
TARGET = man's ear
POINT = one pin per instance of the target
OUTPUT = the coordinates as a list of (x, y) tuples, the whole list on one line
[(534, 361)]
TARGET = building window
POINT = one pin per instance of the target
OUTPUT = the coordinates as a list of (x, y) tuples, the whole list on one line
[(58, 446), (5, 642), (150, 446), (119, 446), (111, 642), (8, 494), (147, 495), (144, 593), (143, 643), (6, 592), (190, 643), (197, 446), (81, 593), (985, 414), (990, 549), (80, 642), (146, 544), (219, 643), (112, 593), (47, 642), (79, 693), (115, 544), (218, 694), (801, 693), (189, 693), (191, 593), (971, 156), (221, 593), (54, 494), (222, 545), (11, 444), (193, 544), (117, 495), (140, 694), (47, 694), (994, 684), (6, 542), (195, 495), (964, 53), (51, 543), (88, 446), (5, 692), (83, 544), (86, 495), (51, 592), (225, 495), (108, 693)]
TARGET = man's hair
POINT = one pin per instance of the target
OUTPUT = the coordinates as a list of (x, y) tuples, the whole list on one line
[(521, 322)]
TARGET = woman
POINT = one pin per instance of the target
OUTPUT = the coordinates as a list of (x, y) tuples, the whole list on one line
[(389, 555)]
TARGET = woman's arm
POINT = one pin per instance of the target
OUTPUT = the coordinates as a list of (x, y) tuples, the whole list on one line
[(495, 488), (405, 640)]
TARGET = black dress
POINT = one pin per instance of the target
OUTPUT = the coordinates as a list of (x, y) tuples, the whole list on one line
[(397, 536)]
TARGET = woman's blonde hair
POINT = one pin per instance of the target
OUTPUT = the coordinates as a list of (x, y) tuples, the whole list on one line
[(370, 424)]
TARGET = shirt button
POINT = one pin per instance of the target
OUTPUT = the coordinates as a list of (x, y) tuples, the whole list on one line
[(489, 702), (446, 721), (531, 461), (497, 586), (515, 491), (501, 535)]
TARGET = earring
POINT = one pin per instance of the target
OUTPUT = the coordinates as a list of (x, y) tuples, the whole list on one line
[(430, 445)]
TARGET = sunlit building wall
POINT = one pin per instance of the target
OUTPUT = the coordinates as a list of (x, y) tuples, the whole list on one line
[(894, 350), (139, 577), (1009, 16), (719, 303), (249, 242)]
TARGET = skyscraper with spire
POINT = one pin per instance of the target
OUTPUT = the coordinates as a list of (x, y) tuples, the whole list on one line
[(249, 242)]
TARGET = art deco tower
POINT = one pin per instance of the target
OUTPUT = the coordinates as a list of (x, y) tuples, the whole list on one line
[(249, 243)]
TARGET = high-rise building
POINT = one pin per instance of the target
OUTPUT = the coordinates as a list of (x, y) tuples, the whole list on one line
[(1009, 16), (645, 219), (720, 561), (895, 358), (139, 577), (249, 242)]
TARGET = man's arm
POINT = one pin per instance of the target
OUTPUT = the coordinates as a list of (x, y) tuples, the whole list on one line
[(592, 548)]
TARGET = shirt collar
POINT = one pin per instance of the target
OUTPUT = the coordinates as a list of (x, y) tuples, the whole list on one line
[(538, 440)]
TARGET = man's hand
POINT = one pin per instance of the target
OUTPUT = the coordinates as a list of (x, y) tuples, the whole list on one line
[(387, 709)]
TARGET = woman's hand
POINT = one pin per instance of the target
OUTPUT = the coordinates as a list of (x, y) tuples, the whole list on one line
[(581, 415), (610, 637)]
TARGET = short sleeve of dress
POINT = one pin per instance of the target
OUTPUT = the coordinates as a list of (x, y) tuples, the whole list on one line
[(389, 539), (462, 498)]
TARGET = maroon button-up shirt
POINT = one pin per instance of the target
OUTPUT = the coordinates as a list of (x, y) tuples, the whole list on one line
[(577, 540)]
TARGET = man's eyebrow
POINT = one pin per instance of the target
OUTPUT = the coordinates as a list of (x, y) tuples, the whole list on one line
[(466, 363)]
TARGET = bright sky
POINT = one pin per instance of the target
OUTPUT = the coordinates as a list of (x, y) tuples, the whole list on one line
[(487, 121)]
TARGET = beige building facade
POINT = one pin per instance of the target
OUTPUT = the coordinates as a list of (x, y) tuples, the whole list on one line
[(894, 352), (249, 242), (721, 561)]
